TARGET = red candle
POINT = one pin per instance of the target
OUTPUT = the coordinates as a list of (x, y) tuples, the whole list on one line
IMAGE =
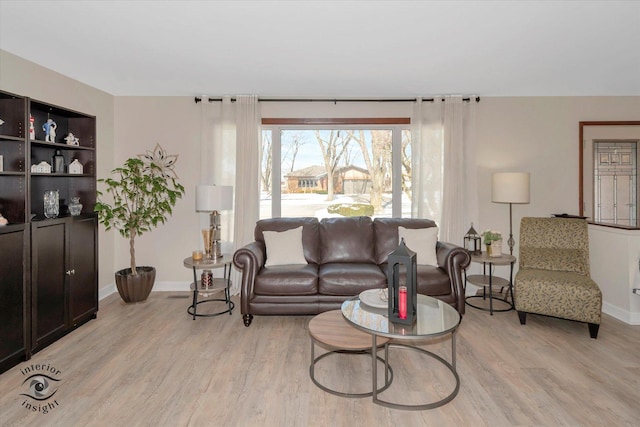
[(402, 302)]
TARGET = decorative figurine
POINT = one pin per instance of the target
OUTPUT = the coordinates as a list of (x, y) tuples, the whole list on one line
[(32, 127), (49, 129), (42, 167), (72, 140), (75, 167), (3, 220), (1, 122)]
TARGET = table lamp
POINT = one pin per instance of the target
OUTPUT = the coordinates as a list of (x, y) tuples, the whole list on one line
[(510, 187), (213, 198)]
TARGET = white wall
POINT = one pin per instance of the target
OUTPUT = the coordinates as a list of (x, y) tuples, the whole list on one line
[(534, 134), (175, 124)]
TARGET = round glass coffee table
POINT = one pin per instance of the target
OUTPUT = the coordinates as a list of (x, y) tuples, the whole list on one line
[(435, 318)]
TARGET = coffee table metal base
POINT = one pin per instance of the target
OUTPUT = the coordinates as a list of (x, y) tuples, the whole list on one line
[(419, 407), (314, 360)]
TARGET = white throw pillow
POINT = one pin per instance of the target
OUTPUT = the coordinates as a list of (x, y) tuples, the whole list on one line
[(284, 247), (422, 241)]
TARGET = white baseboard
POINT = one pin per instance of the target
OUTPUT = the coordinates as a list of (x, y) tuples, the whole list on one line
[(625, 316), (157, 287)]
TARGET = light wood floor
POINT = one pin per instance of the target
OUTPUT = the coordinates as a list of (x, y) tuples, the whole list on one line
[(151, 365)]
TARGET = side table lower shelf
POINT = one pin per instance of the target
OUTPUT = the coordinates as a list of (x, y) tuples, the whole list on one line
[(219, 285), (492, 283)]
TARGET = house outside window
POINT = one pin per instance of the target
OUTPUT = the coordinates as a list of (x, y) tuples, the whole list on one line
[(324, 171)]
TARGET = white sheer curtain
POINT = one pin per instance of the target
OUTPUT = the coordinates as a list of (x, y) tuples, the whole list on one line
[(444, 175), (230, 156), (247, 205)]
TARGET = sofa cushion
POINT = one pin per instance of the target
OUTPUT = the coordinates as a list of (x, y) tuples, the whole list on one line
[(386, 231), (284, 247), (310, 238), (287, 280), (347, 240), (349, 279), (423, 242)]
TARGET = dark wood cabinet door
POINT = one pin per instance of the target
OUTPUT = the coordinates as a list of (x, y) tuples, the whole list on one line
[(48, 280), (13, 333), (83, 282)]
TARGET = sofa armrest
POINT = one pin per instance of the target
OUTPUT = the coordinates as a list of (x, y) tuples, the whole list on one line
[(249, 259), (454, 259)]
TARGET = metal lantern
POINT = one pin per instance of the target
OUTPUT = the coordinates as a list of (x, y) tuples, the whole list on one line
[(402, 272), (472, 241)]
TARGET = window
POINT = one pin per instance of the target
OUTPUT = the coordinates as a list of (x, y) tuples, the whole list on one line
[(323, 171)]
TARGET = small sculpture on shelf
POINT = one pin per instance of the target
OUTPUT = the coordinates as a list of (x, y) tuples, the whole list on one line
[(72, 140), (3, 220), (75, 167), (42, 167), (49, 128), (32, 127), (1, 122)]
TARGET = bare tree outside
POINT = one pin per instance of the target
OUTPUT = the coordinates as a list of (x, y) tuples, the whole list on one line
[(406, 163), (333, 147), (291, 148), (377, 161), (267, 162)]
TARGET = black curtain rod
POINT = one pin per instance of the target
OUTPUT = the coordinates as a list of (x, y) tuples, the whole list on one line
[(335, 101)]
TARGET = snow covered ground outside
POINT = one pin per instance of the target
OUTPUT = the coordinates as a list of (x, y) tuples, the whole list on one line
[(312, 204)]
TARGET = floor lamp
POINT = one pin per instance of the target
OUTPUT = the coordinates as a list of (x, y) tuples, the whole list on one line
[(212, 198), (510, 187)]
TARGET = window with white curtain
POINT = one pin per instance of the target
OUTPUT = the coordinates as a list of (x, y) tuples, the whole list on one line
[(345, 170)]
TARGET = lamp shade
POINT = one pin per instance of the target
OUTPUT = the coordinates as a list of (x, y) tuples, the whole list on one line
[(211, 198), (510, 187)]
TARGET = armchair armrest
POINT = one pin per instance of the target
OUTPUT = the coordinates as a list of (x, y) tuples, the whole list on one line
[(454, 259), (249, 259)]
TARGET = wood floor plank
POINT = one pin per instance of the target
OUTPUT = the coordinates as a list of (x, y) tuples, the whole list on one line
[(150, 364)]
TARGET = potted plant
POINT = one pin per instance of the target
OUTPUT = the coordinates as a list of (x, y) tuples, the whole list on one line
[(144, 190), (493, 242)]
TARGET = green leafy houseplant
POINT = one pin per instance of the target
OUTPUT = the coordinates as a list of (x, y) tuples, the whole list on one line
[(491, 236), (143, 197)]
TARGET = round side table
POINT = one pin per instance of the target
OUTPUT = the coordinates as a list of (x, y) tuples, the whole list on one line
[(489, 280), (217, 284)]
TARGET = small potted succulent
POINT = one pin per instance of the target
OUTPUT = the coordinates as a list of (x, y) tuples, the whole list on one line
[(493, 242), (143, 191)]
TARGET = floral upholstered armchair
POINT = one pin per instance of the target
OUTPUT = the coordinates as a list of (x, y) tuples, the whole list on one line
[(554, 278)]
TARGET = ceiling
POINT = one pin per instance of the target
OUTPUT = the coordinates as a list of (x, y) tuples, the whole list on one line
[(327, 49)]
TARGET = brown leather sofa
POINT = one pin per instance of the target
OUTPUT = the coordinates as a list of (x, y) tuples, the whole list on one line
[(345, 256)]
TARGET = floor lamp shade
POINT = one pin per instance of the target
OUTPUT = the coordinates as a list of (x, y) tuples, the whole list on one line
[(510, 187)]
